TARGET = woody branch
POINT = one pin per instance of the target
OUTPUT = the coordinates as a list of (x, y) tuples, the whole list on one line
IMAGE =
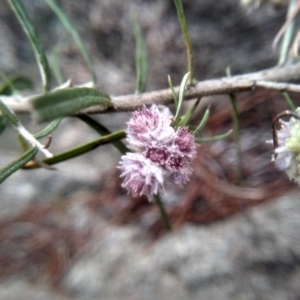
[(277, 78)]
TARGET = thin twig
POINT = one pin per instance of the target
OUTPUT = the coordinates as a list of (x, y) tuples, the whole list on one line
[(271, 79)]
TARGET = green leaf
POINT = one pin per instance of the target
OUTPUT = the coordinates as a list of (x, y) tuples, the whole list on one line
[(289, 101), (15, 83), (141, 57), (31, 34), (186, 37), (66, 102), (7, 88), (185, 119), (76, 38), (108, 139), (181, 97), (213, 138), (55, 68), (102, 130), (3, 123), (9, 114), (17, 164), (48, 129), (202, 122), (175, 96)]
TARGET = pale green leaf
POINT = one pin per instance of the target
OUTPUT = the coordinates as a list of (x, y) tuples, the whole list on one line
[(213, 138), (141, 57), (71, 29), (186, 117), (181, 97), (3, 123), (9, 114), (17, 164), (289, 101), (48, 129), (14, 83), (66, 102), (31, 34), (55, 67), (202, 122)]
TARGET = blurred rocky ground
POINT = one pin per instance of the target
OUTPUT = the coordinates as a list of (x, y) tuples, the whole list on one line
[(52, 246)]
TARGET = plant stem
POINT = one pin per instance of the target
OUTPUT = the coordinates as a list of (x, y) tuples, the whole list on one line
[(163, 214), (78, 150), (187, 39), (102, 130)]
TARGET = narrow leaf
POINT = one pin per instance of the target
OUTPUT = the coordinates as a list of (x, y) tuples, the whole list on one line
[(289, 101), (66, 102), (48, 129), (175, 97), (9, 114), (13, 84), (76, 38), (102, 130), (186, 37), (213, 138), (31, 34), (17, 164), (141, 57), (185, 119), (55, 68), (7, 88), (181, 97), (3, 123), (202, 122)]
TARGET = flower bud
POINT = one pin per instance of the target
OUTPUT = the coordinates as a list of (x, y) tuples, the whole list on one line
[(287, 154)]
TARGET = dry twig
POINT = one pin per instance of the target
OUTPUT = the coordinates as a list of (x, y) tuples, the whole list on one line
[(277, 78)]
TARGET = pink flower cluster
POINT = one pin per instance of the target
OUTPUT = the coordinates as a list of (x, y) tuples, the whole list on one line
[(161, 152)]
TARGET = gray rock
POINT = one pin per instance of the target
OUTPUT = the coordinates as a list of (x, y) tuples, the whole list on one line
[(252, 256), (18, 289)]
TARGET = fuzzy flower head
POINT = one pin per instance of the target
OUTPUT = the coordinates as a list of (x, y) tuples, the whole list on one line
[(287, 154), (162, 153), (141, 176), (149, 125)]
